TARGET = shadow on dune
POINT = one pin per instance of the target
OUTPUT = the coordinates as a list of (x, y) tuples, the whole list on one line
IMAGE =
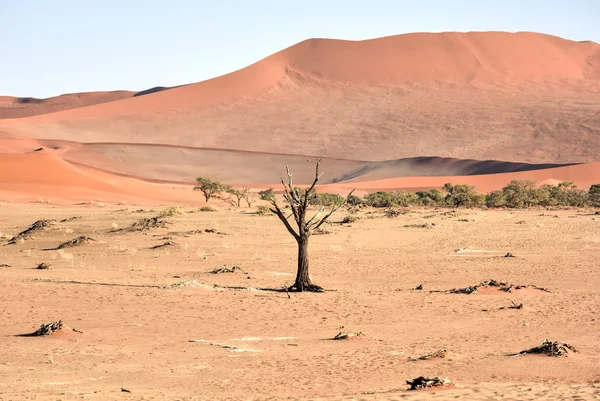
[(156, 89)]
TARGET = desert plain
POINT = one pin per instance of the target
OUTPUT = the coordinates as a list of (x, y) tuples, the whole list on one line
[(155, 314), (138, 307)]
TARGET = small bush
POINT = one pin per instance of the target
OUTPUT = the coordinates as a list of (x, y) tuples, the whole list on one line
[(349, 218), (263, 209), (208, 208)]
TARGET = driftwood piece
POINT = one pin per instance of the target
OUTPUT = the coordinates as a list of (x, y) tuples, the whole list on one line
[(427, 382), (342, 335), (502, 286), (167, 243), (550, 348), (82, 239), (144, 224), (37, 226), (47, 329), (225, 269), (439, 354)]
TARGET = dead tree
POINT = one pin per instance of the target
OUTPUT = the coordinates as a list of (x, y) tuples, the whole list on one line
[(299, 201)]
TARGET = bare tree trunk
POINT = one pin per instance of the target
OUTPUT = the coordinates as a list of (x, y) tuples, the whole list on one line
[(303, 282)]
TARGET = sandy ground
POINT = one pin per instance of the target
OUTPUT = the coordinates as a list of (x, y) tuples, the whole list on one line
[(136, 332)]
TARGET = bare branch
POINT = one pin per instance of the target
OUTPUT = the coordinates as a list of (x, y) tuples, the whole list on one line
[(308, 192), (276, 210), (321, 210)]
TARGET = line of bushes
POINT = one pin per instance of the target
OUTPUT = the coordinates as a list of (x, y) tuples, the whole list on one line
[(517, 194)]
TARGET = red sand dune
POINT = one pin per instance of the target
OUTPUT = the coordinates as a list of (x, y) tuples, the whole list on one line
[(369, 108)]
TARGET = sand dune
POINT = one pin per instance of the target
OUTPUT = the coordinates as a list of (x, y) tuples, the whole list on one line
[(480, 107), (486, 95)]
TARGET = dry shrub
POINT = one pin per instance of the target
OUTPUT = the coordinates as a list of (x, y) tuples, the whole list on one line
[(208, 208)]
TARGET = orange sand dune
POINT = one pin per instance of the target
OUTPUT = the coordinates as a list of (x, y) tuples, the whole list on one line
[(521, 97), (42, 174)]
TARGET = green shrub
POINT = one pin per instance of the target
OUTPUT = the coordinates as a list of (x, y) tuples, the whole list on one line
[(326, 199), (520, 193), (463, 195), (404, 199), (433, 197), (208, 208), (380, 199), (567, 194), (495, 199), (594, 195)]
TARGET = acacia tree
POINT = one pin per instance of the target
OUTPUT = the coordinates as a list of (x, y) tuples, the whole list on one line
[(210, 188), (299, 202)]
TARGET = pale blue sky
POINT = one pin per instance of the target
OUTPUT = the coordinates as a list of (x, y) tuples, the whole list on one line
[(51, 47)]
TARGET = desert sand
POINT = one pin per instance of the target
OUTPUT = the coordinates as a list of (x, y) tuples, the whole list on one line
[(137, 318), (480, 107)]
